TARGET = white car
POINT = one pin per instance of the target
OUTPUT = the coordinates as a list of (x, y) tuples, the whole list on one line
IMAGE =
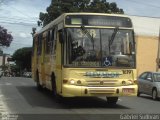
[(27, 74), (149, 83)]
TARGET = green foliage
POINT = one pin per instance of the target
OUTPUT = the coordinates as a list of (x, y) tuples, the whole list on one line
[(5, 37), (58, 7), (22, 58)]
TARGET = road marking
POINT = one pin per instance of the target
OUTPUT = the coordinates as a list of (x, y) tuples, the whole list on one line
[(3, 107), (7, 83)]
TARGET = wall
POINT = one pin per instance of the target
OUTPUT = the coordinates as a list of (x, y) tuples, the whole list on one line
[(147, 49)]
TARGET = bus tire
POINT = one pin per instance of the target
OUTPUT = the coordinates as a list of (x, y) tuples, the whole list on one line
[(138, 94), (112, 100), (56, 96), (39, 87)]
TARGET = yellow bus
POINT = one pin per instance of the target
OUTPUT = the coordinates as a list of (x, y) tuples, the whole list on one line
[(86, 54)]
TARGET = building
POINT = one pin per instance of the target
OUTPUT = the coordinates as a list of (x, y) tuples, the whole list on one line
[(3, 59), (147, 42)]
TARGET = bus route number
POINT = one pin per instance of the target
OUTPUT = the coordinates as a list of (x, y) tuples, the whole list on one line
[(127, 71)]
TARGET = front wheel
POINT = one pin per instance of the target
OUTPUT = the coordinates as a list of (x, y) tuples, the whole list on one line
[(56, 96), (138, 94), (112, 100), (154, 94)]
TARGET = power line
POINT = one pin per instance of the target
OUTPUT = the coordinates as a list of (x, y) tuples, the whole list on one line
[(17, 19), (144, 3), (20, 23), (21, 12), (13, 21)]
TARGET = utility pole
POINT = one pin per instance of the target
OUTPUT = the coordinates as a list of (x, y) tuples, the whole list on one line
[(158, 59)]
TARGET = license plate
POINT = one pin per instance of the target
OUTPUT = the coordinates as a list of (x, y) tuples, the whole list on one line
[(128, 90)]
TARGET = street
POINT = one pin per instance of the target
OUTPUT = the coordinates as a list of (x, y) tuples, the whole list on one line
[(20, 96)]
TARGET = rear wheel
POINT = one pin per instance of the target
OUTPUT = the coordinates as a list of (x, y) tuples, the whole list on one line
[(154, 94), (112, 100)]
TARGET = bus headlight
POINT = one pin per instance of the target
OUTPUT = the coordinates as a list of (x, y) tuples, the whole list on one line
[(72, 82)]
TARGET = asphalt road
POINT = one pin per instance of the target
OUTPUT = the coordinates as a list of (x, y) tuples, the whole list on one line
[(19, 99)]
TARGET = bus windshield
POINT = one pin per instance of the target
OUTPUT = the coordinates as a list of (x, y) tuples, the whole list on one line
[(89, 47)]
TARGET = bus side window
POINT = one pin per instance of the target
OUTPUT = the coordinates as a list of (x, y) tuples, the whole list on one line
[(48, 42), (52, 40), (39, 46), (33, 46)]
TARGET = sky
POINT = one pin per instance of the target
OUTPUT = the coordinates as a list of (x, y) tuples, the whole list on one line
[(19, 16)]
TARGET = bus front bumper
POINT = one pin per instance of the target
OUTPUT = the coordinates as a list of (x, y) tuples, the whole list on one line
[(73, 91)]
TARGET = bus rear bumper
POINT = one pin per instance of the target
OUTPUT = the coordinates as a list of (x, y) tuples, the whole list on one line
[(77, 91)]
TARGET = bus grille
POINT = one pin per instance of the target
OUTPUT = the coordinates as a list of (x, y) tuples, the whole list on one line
[(101, 90), (104, 83)]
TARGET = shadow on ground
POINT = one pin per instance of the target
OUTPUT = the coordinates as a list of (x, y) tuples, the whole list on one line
[(45, 99), (147, 97)]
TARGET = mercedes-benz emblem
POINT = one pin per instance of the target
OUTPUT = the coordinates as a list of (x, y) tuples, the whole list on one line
[(101, 82)]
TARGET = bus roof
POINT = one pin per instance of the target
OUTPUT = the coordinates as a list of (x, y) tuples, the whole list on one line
[(62, 17)]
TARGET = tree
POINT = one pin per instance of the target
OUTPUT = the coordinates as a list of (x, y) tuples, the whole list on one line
[(22, 58), (57, 7), (5, 37), (33, 31)]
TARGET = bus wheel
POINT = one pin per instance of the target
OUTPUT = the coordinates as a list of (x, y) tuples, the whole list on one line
[(112, 100), (54, 89), (138, 93), (39, 87)]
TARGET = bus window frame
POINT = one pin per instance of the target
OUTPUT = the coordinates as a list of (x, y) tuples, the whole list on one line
[(52, 39), (33, 45), (47, 43), (39, 44)]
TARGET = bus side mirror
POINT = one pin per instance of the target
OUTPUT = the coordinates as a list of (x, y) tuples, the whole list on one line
[(61, 37)]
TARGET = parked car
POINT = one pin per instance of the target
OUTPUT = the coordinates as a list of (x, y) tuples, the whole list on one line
[(149, 83), (27, 74)]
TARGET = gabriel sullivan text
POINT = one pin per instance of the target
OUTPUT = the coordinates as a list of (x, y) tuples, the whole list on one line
[(140, 117)]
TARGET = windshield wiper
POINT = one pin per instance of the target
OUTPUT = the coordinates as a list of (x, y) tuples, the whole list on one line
[(113, 37), (89, 36)]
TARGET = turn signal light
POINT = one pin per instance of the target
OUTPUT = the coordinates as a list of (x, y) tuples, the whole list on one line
[(65, 81), (78, 82), (130, 82)]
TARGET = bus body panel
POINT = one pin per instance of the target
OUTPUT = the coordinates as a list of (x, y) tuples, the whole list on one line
[(99, 82)]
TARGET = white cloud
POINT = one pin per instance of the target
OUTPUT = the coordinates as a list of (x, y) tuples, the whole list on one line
[(139, 7), (18, 17), (24, 35)]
